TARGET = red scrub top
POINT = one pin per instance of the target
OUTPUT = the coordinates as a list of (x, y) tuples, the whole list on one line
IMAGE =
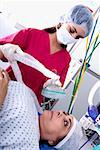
[(37, 43)]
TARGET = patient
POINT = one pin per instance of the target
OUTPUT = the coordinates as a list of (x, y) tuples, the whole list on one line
[(22, 128)]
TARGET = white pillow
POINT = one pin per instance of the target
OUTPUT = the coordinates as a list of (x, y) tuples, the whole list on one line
[(6, 28)]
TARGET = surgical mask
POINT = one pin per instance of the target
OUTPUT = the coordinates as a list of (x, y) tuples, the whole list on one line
[(64, 37)]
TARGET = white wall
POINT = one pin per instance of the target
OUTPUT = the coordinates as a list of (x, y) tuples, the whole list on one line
[(6, 27), (40, 13)]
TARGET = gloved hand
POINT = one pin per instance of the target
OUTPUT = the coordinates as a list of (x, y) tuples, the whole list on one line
[(9, 50), (52, 82)]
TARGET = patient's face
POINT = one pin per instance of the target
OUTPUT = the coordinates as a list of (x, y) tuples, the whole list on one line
[(56, 124)]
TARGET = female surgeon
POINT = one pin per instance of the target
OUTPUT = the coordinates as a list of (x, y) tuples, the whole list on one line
[(49, 46)]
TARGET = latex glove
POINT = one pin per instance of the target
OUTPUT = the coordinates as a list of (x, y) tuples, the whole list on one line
[(9, 50), (4, 80), (52, 82)]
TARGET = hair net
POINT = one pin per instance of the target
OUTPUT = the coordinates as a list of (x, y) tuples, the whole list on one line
[(71, 141), (81, 16)]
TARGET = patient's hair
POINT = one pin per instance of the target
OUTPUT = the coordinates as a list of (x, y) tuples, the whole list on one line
[(50, 30)]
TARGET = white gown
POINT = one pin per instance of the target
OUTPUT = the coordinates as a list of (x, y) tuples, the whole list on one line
[(19, 127)]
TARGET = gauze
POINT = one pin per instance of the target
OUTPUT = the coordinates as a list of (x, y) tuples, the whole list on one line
[(13, 53), (64, 37)]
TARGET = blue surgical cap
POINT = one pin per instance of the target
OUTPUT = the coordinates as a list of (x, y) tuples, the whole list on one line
[(81, 16)]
